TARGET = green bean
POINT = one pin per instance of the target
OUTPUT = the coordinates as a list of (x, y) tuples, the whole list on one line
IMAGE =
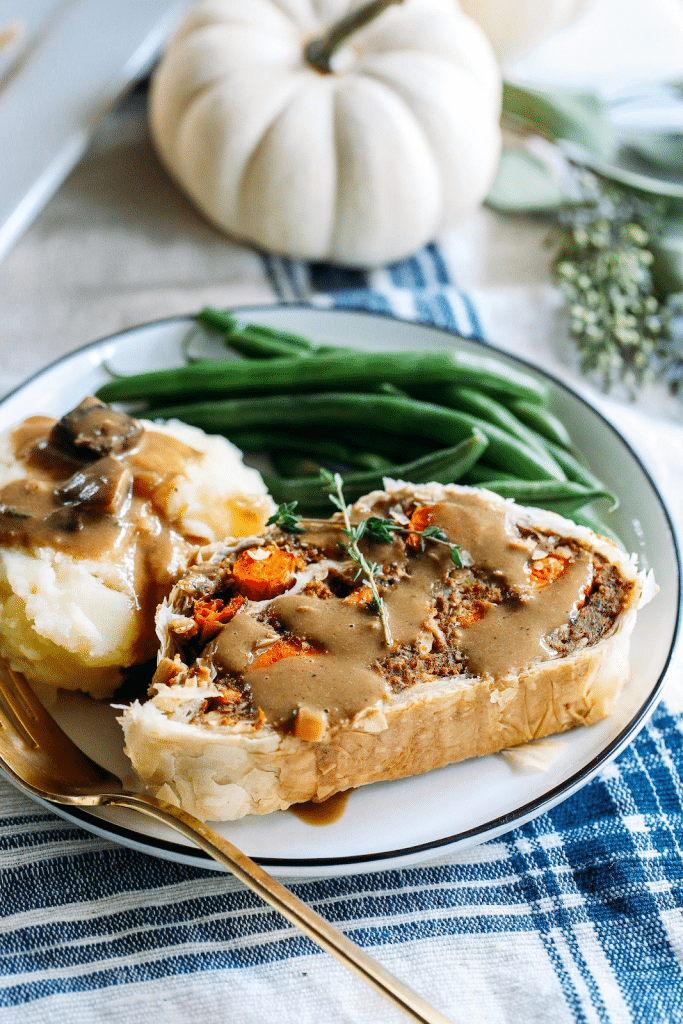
[(444, 466), (278, 440), (482, 473), (253, 346), (488, 408), (573, 468), (542, 421), (556, 494), (385, 388), (315, 372), (383, 412), (392, 446), (289, 464), (371, 460), (286, 462), (228, 325), (315, 446), (330, 350), (266, 441)]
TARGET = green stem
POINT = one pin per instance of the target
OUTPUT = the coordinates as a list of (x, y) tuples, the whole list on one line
[(367, 567), (319, 52)]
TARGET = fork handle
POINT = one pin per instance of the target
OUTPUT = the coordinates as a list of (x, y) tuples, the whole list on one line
[(253, 876)]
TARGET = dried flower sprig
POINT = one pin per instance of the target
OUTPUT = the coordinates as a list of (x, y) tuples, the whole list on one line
[(603, 268)]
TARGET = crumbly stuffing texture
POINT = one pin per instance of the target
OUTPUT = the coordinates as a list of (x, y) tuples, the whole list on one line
[(460, 598), (475, 674)]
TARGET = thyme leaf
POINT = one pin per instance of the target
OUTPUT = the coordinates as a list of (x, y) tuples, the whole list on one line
[(14, 513), (286, 518), (374, 528), (382, 529), (372, 570)]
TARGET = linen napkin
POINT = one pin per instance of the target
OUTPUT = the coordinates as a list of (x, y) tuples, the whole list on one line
[(575, 917)]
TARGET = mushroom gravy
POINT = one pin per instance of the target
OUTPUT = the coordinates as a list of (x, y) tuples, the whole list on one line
[(97, 485)]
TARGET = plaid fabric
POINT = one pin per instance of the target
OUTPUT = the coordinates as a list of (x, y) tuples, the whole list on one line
[(575, 917)]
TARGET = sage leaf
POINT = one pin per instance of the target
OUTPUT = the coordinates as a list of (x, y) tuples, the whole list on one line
[(525, 184), (635, 180), (577, 115)]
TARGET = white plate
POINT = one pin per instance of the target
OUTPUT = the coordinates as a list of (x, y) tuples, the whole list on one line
[(389, 824)]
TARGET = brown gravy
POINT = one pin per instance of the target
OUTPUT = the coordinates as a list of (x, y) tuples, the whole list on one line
[(97, 485), (340, 679), (338, 669), (326, 812)]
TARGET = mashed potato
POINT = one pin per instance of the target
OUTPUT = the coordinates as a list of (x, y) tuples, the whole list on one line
[(77, 605)]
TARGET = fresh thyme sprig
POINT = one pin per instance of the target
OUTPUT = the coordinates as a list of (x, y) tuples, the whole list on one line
[(382, 529), (286, 518), (372, 570), (374, 527)]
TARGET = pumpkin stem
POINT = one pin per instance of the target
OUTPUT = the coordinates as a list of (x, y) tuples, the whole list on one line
[(319, 52)]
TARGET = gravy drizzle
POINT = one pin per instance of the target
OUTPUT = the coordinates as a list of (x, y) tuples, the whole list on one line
[(336, 671), (97, 484)]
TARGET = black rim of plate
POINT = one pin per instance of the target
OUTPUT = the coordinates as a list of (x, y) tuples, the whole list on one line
[(486, 830)]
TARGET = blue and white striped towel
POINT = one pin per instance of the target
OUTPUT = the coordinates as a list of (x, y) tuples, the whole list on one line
[(575, 917)]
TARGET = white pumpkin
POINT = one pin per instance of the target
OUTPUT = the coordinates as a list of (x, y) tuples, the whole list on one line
[(360, 166), (516, 26)]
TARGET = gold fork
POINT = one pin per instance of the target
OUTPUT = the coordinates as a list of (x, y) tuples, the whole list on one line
[(41, 759)]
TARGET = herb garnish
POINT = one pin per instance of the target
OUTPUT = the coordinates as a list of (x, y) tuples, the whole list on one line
[(286, 518), (382, 529), (15, 513), (374, 528), (372, 570), (603, 267)]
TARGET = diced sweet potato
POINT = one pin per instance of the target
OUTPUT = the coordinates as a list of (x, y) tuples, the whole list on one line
[(547, 570), (308, 725), (224, 701), (211, 616), (471, 613), (360, 596), (264, 572), (290, 647), (419, 520)]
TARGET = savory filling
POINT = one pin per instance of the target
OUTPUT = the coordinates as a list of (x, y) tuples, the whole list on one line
[(285, 630)]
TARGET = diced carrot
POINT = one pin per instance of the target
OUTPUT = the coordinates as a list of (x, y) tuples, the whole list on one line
[(420, 520), (360, 596), (264, 572), (547, 570), (212, 615), (223, 701), (290, 647), (471, 614)]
